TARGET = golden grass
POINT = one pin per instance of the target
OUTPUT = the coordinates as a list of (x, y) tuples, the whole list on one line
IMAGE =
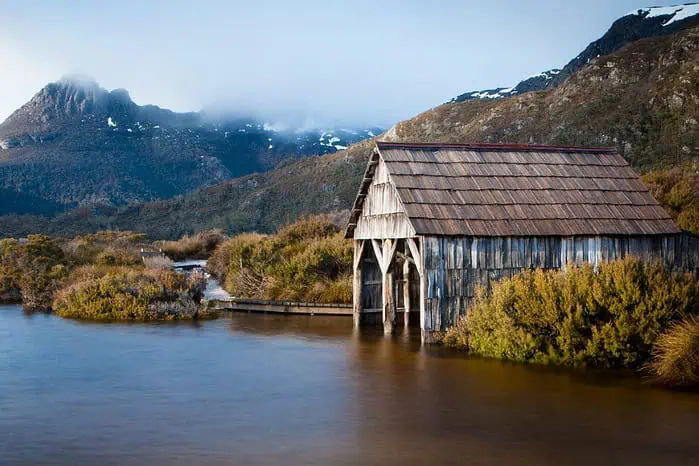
[(675, 360)]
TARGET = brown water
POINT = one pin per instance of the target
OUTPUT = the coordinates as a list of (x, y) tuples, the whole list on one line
[(265, 390)]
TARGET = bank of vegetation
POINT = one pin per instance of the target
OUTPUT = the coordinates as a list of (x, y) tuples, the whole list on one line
[(128, 293), (628, 314), (309, 260), (98, 276)]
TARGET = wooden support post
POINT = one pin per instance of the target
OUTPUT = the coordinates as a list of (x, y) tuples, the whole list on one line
[(388, 314), (389, 311), (357, 283), (406, 293), (420, 259)]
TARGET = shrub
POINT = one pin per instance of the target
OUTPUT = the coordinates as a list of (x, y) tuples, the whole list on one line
[(675, 360), (41, 262), (578, 318), (306, 261), (199, 246), (104, 247), (120, 293), (10, 291), (114, 256)]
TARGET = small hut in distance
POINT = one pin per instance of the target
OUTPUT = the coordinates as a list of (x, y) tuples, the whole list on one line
[(432, 222)]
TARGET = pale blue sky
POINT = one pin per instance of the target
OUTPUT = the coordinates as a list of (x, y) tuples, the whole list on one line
[(372, 62)]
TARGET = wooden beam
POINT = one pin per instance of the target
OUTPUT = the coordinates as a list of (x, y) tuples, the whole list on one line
[(389, 315), (416, 254), (406, 293), (405, 258), (357, 283), (379, 256), (423, 286), (358, 251), (389, 250)]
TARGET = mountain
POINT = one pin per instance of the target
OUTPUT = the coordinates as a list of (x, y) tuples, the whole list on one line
[(643, 98), (75, 143), (637, 24)]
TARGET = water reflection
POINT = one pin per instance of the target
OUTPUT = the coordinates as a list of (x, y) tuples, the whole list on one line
[(265, 389), (297, 326)]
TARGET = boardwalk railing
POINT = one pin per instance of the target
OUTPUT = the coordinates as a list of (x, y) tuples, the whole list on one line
[(280, 307)]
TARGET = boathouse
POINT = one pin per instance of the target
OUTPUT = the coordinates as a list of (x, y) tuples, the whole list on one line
[(432, 222)]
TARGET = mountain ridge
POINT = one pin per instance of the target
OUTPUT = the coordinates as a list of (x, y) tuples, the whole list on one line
[(637, 24), (76, 143)]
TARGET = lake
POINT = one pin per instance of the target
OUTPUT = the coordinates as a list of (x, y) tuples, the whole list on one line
[(266, 390)]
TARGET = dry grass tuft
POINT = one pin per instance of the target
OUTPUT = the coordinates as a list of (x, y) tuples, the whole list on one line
[(199, 246), (675, 360)]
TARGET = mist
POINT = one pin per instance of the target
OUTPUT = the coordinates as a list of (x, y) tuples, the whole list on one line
[(298, 63)]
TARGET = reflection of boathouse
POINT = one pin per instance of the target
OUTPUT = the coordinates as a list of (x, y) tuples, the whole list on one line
[(432, 222)]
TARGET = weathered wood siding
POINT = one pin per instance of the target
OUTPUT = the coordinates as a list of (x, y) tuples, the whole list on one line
[(456, 266), (372, 289), (383, 214)]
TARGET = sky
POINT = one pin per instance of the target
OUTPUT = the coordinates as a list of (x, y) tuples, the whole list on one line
[(297, 62)]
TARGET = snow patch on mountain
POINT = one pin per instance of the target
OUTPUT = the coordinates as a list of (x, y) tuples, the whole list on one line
[(546, 74), (676, 13)]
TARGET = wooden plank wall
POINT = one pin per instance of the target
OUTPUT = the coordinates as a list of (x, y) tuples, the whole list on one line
[(456, 266), (383, 215)]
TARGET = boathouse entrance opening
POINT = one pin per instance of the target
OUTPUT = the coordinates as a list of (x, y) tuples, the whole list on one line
[(389, 284)]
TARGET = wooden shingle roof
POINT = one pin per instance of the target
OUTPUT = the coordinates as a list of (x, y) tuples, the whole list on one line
[(513, 190)]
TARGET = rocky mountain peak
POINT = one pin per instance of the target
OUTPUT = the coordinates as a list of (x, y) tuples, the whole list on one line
[(72, 97), (64, 99)]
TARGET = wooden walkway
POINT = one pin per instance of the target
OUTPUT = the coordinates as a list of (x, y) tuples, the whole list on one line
[(281, 307)]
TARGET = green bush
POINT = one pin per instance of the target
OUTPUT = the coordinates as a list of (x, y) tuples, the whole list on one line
[(609, 318), (120, 293), (42, 268), (675, 360), (114, 256), (105, 248), (10, 291), (309, 260)]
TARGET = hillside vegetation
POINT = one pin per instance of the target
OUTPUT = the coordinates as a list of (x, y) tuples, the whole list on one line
[(677, 189)]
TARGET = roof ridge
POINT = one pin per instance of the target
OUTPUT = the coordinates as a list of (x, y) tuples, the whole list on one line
[(494, 147)]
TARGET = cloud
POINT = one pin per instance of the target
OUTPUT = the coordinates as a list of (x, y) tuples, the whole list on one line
[(308, 60)]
